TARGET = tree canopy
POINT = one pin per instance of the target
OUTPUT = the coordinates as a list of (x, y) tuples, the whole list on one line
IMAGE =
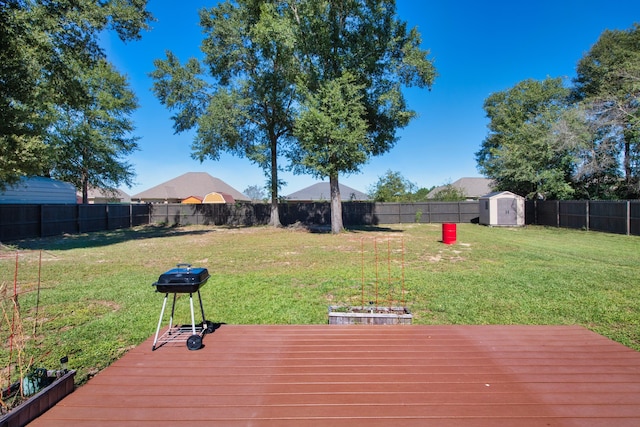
[(356, 56), (608, 89), (90, 139), (315, 81), (240, 98), (392, 187), (44, 47), (555, 141), (518, 153)]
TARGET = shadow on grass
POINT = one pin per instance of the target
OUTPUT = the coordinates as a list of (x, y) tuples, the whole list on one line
[(326, 228), (374, 228), (104, 238)]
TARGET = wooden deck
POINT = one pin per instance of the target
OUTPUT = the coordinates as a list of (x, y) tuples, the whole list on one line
[(366, 376)]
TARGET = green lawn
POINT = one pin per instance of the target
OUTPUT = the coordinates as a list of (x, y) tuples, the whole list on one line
[(96, 299)]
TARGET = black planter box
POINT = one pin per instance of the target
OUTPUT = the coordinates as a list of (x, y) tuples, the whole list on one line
[(40, 402)]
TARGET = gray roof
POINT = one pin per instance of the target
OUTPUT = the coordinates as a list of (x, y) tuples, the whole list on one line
[(39, 190), (189, 184), (501, 194), (101, 193), (472, 187), (321, 191)]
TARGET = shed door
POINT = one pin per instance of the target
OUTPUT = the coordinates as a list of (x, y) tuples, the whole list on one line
[(507, 212)]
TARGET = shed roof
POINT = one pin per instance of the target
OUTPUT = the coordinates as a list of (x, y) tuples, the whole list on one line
[(322, 191), (189, 184), (500, 194)]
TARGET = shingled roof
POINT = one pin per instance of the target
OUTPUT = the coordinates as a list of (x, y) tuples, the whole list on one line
[(322, 192), (473, 187), (197, 184)]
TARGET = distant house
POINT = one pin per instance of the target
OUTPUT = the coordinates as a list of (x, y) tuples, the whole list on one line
[(192, 200), (322, 192), (218, 197), (39, 190), (473, 188), (190, 184), (99, 196)]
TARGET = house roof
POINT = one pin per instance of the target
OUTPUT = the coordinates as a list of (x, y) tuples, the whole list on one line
[(472, 187), (322, 191), (37, 189), (100, 193), (197, 184)]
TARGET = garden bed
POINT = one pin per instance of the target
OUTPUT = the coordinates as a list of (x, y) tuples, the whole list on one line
[(40, 402), (373, 315)]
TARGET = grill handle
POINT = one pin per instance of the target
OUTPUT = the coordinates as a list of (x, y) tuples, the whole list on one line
[(184, 264)]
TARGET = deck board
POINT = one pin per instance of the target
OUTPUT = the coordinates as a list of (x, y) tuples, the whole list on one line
[(318, 375)]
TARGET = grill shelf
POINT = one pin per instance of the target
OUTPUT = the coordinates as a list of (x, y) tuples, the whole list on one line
[(182, 279)]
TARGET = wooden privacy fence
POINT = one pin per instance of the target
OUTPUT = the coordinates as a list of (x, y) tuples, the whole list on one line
[(620, 217), (32, 221), (353, 213)]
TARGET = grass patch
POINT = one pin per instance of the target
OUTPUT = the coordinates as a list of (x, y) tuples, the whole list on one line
[(96, 298)]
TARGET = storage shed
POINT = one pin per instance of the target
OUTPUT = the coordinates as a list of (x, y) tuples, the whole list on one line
[(39, 190), (502, 208)]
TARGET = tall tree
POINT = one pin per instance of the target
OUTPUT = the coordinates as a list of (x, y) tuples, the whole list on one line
[(355, 57), (519, 153), (91, 138), (608, 85), (43, 44), (246, 106), (596, 174), (392, 187)]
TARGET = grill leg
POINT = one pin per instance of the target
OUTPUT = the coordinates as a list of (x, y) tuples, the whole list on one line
[(173, 309), (164, 304), (202, 310), (193, 320)]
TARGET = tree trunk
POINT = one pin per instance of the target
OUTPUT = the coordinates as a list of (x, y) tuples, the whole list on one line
[(274, 219), (85, 188), (336, 206)]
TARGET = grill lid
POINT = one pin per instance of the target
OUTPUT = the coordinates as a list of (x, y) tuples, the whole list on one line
[(184, 273)]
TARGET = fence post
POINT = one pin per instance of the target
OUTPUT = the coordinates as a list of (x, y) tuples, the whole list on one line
[(558, 213), (587, 211), (628, 218), (41, 220)]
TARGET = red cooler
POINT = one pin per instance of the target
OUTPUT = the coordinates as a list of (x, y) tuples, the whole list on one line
[(448, 234)]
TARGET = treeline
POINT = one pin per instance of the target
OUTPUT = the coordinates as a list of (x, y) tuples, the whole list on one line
[(581, 140), (65, 111)]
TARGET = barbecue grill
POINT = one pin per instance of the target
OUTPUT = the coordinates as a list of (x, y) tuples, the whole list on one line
[(183, 279)]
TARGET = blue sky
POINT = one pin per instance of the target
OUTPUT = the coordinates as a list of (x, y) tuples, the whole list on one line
[(478, 47)]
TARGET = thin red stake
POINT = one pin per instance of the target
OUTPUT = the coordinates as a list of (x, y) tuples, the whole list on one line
[(375, 248), (35, 320), (13, 319), (389, 272), (362, 269), (402, 281)]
